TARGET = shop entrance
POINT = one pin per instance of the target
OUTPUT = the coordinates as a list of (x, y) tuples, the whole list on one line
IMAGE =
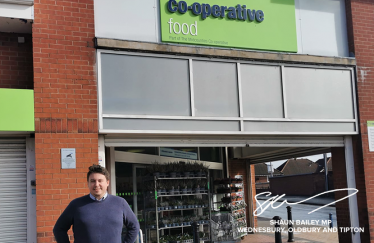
[(130, 173), (253, 151)]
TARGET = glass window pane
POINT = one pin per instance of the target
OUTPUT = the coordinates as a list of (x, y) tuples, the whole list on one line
[(261, 91), (210, 154), (136, 85), (215, 89), (183, 153), (318, 93), (138, 150)]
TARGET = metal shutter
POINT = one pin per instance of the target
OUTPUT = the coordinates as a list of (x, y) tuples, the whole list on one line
[(13, 191)]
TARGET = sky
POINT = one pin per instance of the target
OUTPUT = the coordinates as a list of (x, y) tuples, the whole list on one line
[(313, 158)]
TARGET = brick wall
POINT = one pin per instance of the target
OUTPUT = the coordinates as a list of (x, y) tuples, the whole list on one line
[(299, 185), (361, 36), (16, 68), (65, 104), (239, 167)]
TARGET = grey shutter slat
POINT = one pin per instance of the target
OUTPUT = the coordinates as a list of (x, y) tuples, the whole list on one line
[(13, 191)]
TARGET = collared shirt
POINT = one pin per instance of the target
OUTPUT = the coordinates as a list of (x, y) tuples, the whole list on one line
[(101, 199)]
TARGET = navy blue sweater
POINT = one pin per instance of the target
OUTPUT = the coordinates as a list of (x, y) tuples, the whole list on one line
[(97, 221)]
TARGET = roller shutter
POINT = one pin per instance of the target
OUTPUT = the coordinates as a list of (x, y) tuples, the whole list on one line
[(13, 191)]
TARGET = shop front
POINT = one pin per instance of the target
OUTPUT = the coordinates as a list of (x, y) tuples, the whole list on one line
[(165, 108), (163, 99)]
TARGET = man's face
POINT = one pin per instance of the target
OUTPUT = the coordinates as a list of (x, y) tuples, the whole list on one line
[(98, 185)]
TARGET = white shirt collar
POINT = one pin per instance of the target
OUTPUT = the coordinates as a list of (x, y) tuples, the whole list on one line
[(101, 199)]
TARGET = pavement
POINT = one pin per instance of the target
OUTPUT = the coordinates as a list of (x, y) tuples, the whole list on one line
[(304, 200), (302, 237)]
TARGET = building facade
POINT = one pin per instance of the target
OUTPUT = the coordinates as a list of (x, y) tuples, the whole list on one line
[(127, 83)]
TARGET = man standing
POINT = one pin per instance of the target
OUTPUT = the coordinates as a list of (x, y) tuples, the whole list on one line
[(97, 217)]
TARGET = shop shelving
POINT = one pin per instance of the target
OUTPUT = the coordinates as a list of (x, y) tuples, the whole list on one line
[(224, 223), (160, 197)]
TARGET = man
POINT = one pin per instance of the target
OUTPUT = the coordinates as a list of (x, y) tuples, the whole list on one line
[(97, 217)]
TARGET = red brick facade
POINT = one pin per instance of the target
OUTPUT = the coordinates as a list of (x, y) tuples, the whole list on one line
[(16, 70), (361, 36), (65, 104), (59, 63)]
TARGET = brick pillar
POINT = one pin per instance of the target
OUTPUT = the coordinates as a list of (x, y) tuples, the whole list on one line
[(361, 37), (65, 104), (16, 61), (340, 181), (253, 178), (239, 167)]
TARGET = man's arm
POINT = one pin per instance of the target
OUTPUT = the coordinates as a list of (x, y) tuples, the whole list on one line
[(63, 224), (131, 223)]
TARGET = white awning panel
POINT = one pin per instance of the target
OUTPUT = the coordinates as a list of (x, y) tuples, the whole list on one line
[(223, 141)]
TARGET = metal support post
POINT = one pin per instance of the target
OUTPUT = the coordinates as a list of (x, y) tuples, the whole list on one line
[(330, 218), (195, 230), (326, 173), (278, 233), (290, 225)]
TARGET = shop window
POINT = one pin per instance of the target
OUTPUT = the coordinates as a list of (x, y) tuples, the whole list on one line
[(210, 154), (183, 153), (136, 85), (138, 150), (215, 89)]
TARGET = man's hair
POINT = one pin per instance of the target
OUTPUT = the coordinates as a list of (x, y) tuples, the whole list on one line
[(97, 169)]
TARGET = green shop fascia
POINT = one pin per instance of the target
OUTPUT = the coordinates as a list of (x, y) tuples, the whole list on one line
[(251, 24)]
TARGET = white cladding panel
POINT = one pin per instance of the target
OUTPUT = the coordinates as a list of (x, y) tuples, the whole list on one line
[(321, 27), (321, 24), (13, 201), (127, 20), (9, 10)]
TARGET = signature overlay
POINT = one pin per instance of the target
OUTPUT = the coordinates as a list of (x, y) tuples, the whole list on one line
[(270, 202)]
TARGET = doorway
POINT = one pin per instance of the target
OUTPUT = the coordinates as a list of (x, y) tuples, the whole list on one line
[(130, 187)]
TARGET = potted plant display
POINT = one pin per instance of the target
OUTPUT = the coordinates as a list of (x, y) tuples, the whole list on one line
[(203, 186), (197, 187), (173, 239), (188, 167), (171, 189), (185, 220), (180, 204), (201, 169), (152, 223), (155, 168), (164, 205), (189, 186), (174, 205), (186, 238), (183, 187), (163, 240), (179, 168)]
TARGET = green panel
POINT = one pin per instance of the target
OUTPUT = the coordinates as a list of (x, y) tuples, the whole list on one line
[(17, 110), (277, 31)]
